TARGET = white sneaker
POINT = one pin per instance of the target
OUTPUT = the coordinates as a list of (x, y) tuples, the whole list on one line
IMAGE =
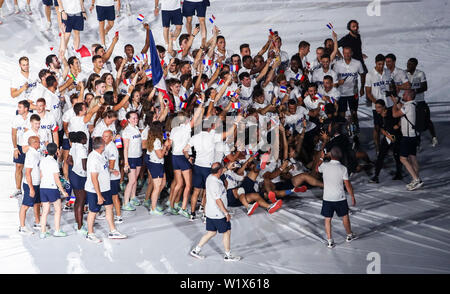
[(116, 235), (16, 193), (416, 185), (118, 220), (25, 231), (196, 254), (330, 243), (93, 238), (28, 9), (229, 257), (350, 237), (48, 26), (101, 215), (16, 9), (434, 142)]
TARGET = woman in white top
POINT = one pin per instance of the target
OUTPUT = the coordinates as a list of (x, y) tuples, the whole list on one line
[(50, 184), (77, 175), (132, 153), (157, 147)]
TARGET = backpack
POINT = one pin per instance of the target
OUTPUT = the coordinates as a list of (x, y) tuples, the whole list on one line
[(421, 117)]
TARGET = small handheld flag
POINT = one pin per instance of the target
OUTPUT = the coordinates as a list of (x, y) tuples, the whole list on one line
[(140, 18), (317, 96), (183, 105), (118, 142), (231, 94), (203, 86), (330, 26), (283, 89), (180, 51), (207, 62), (220, 82), (236, 105), (117, 33), (183, 98), (144, 56), (199, 101), (148, 73), (72, 200), (127, 81), (136, 59), (278, 102), (300, 77), (271, 32), (212, 18), (55, 128), (333, 100), (308, 65), (234, 68), (322, 107)]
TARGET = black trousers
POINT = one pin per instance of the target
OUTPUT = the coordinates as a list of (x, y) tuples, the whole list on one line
[(384, 149)]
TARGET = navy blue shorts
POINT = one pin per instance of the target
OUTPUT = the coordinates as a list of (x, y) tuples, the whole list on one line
[(77, 182), (180, 162), (65, 144), (49, 195), (135, 162), (105, 13), (329, 207), (74, 22), (156, 169), (248, 185), (199, 176), (286, 185), (218, 225), (171, 17), (115, 187), (27, 199), (350, 100), (50, 2), (21, 158), (408, 146), (190, 8), (92, 200), (232, 201)]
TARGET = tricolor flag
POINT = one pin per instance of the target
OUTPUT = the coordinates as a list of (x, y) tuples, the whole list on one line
[(283, 89), (157, 71), (162, 62), (308, 65), (236, 105), (333, 100), (144, 56), (203, 86), (220, 82), (234, 68), (199, 101), (300, 77), (212, 18), (207, 62), (322, 107), (184, 97), (136, 59), (318, 96), (180, 51), (127, 82), (218, 64), (140, 18), (72, 200), (278, 102), (70, 75), (330, 26), (271, 32), (55, 128), (231, 94), (148, 73), (183, 105)]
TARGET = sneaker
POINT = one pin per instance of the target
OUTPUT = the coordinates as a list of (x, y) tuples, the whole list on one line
[(203, 218), (330, 243), (434, 142), (168, 203), (140, 181), (123, 185), (184, 212), (118, 219), (135, 202), (251, 208), (147, 203), (350, 237), (275, 206), (301, 189), (155, 212), (229, 257), (417, 184), (196, 254), (397, 177), (25, 231), (118, 13), (48, 26), (93, 238), (200, 209), (44, 235), (16, 193), (67, 208), (374, 180), (172, 211), (28, 9), (16, 9), (177, 205), (38, 227), (191, 217), (159, 207), (116, 235), (83, 231), (101, 215), (272, 197), (59, 233), (128, 207)]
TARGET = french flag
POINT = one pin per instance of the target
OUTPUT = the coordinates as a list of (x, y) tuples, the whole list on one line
[(231, 93), (184, 97), (278, 102), (318, 96), (183, 105), (330, 26), (271, 32), (283, 89), (148, 73), (144, 56), (55, 128), (207, 62), (203, 86), (127, 82), (333, 100), (212, 18), (300, 77), (136, 59), (199, 101), (220, 82), (234, 68), (236, 105), (157, 71), (218, 64), (140, 18)]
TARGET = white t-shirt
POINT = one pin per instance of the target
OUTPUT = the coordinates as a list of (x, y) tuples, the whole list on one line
[(312, 103), (157, 145), (317, 76), (43, 137), (180, 136), (77, 124), (78, 152), (333, 93), (101, 127), (53, 104), (334, 173), (105, 2), (20, 125), (48, 167), (409, 110), (246, 94), (48, 123), (416, 79), (18, 80), (135, 145), (71, 6), (233, 179), (215, 189), (66, 118), (97, 163), (32, 160), (112, 153), (295, 120), (349, 71), (170, 4), (204, 143), (37, 92), (379, 84)]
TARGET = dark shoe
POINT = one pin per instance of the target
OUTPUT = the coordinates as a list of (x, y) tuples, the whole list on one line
[(397, 177), (374, 180)]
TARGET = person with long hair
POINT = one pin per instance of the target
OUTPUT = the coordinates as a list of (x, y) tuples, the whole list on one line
[(77, 176), (50, 184), (156, 149), (110, 82), (132, 151)]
